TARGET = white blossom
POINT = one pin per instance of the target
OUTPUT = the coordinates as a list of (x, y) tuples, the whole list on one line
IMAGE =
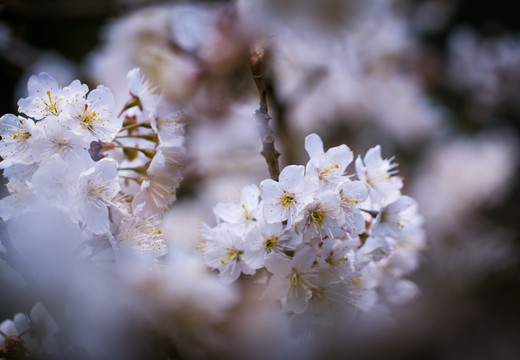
[(326, 167), (379, 173), (285, 199), (97, 186), (17, 135), (224, 251), (292, 279), (47, 97), (94, 118)]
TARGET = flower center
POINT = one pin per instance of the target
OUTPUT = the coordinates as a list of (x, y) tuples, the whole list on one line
[(317, 216), (295, 279), (326, 172), (233, 254), (247, 215), (286, 199), (51, 106), (62, 146), (22, 135), (270, 243), (86, 120)]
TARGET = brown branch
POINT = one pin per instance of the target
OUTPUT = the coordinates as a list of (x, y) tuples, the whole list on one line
[(262, 116)]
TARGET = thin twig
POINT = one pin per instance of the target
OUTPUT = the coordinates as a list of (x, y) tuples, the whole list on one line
[(262, 116)]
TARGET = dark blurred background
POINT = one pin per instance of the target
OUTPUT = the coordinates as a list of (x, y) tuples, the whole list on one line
[(481, 321)]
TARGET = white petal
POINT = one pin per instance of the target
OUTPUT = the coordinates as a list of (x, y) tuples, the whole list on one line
[(314, 146), (278, 264), (297, 300), (403, 291), (292, 178), (304, 258), (249, 197), (277, 287), (229, 212), (340, 155)]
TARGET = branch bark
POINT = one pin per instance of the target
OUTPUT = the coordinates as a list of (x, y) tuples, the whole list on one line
[(262, 116)]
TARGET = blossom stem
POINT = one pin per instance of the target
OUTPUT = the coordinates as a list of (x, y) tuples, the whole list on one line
[(134, 101), (133, 126), (148, 152), (140, 170), (370, 212), (149, 137)]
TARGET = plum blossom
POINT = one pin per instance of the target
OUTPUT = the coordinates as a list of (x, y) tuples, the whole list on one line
[(331, 244), (97, 186), (352, 195), (47, 97), (143, 93), (326, 167), (225, 252), (378, 174), (94, 118), (247, 212), (141, 234), (285, 199), (17, 134), (292, 279), (57, 139)]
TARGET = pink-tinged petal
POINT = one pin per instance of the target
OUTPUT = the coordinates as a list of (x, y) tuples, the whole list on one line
[(314, 146)]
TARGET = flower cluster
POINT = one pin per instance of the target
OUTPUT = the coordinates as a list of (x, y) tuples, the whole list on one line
[(326, 239), (112, 176), (32, 333)]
